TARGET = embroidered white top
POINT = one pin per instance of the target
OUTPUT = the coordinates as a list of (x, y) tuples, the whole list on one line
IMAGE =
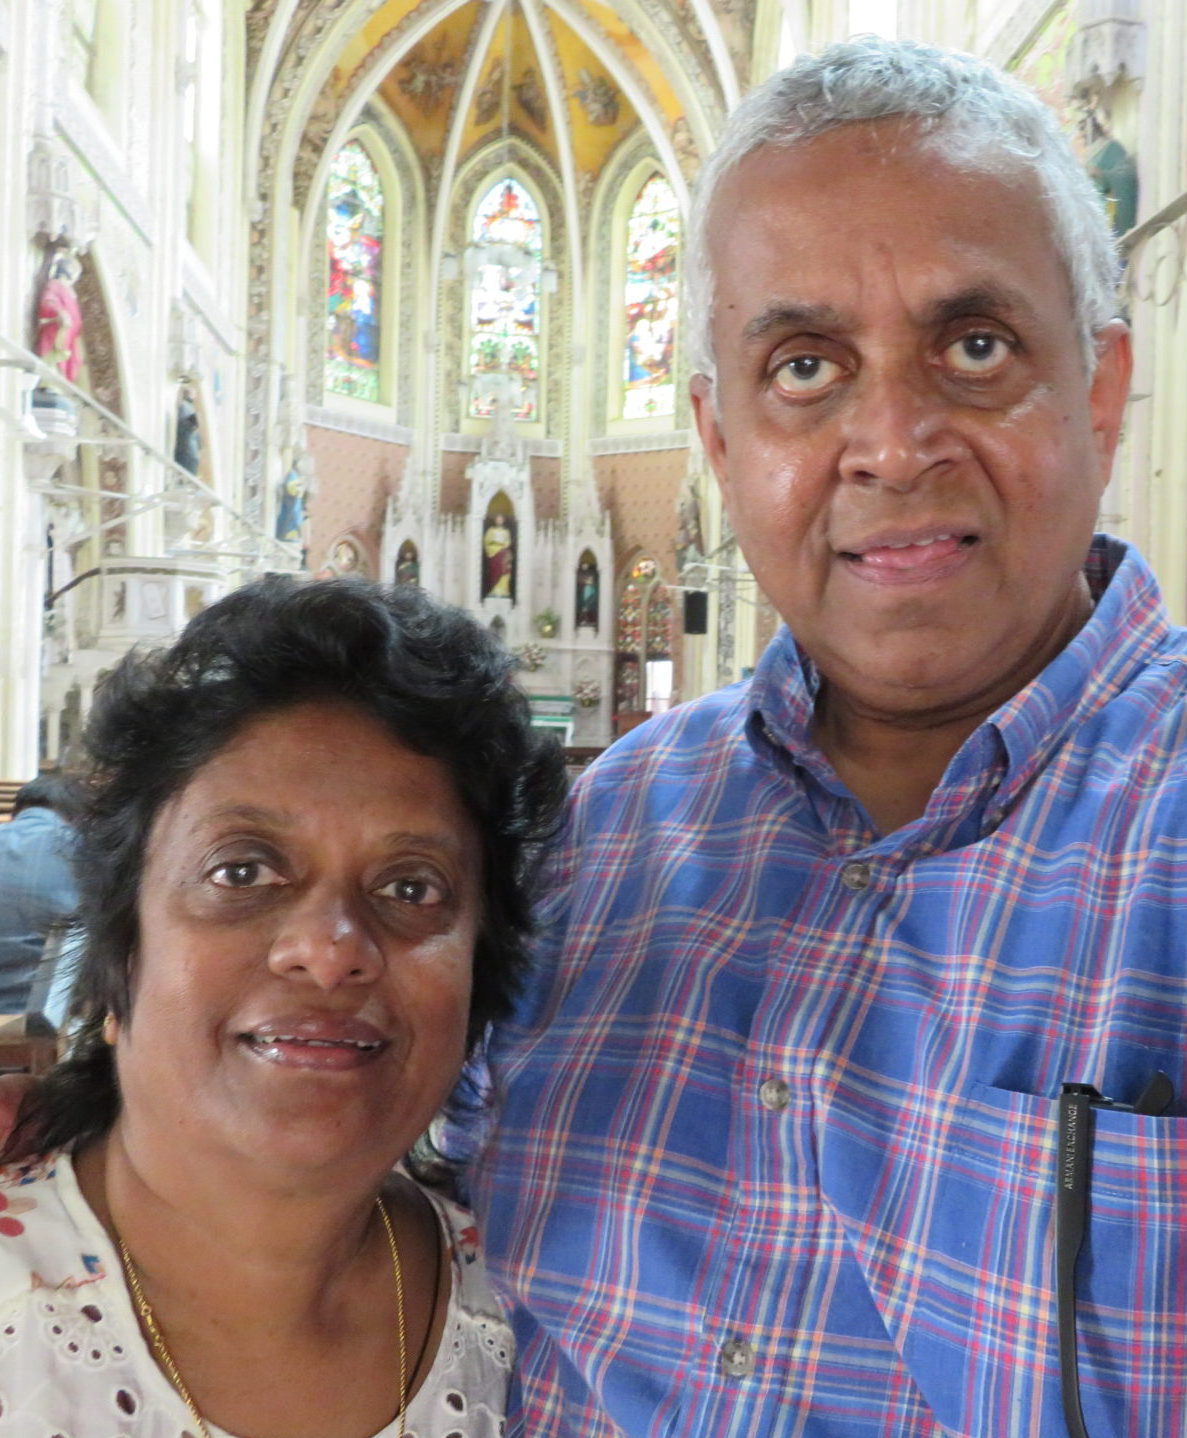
[(72, 1359)]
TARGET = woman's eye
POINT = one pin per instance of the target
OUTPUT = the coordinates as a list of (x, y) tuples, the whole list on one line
[(978, 353), (413, 891), (244, 874), (806, 374)]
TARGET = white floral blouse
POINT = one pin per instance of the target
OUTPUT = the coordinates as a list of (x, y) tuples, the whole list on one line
[(73, 1362)]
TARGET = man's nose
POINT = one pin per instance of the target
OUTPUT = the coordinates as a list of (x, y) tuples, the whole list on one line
[(897, 428), (325, 938)]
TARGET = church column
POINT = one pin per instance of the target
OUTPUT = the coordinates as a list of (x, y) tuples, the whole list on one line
[(27, 32)]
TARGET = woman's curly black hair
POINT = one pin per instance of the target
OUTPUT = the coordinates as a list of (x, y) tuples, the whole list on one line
[(439, 682)]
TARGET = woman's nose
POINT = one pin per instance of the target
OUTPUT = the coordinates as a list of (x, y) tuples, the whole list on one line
[(326, 939)]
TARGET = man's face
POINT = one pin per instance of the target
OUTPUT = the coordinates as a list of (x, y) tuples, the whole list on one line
[(909, 447)]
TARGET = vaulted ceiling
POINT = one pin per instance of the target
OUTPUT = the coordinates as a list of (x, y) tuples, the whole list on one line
[(571, 78)]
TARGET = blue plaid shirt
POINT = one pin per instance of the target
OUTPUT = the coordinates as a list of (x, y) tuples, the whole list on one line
[(777, 1150)]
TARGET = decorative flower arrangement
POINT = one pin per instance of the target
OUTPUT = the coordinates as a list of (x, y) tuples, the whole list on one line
[(531, 656), (588, 693), (548, 623)]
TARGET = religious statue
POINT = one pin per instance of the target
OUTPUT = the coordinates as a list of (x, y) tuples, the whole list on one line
[(587, 591), (59, 316), (187, 443), (290, 516), (690, 543), (498, 558), (345, 559), (407, 564)]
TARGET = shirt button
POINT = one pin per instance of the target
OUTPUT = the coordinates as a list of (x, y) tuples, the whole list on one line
[(856, 876), (774, 1094), (737, 1358)]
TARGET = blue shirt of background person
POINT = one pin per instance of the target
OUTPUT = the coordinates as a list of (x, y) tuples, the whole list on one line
[(37, 890)]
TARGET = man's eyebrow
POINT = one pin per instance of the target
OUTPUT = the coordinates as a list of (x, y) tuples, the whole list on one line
[(786, 316), (988, 300), (984, 299)]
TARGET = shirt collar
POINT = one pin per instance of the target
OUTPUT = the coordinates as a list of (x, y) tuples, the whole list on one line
[(1127, 626)]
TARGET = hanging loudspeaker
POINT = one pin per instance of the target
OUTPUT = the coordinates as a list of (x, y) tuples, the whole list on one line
[(696, 611)]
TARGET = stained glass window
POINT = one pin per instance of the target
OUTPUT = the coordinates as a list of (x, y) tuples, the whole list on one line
[(652, 240), (643, 641), (659, 624), (354, 235), (504, 270)]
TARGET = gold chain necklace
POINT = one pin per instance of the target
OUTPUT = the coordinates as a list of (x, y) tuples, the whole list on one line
[(166, 1360)]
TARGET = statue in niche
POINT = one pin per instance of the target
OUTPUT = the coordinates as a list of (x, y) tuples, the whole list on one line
[(498, 554), (290, 516), (345, 559), (690, 542), (407, 564), (587, 591), (1112, 169), (187, 444), (59, 316)]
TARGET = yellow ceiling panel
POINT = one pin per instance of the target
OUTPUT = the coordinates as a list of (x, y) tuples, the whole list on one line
[(422, 89), (367, 37), (511, 94), (599, 113), (637, 55)]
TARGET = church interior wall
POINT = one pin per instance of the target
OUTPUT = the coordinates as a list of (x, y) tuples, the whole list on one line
[(546, 486), (453, 486), (640, 492), (356, 476), (204, 271)]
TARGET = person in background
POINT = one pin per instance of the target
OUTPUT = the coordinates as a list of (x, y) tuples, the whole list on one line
[(37, 890), (784, 1131)]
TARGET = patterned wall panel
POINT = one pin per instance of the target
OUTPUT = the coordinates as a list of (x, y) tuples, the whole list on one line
[(355, 476)]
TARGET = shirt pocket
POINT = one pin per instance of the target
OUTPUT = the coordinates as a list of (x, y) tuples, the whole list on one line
[(953, 1226)]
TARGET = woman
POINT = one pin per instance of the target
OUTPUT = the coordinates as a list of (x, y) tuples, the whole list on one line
[(304, 868)]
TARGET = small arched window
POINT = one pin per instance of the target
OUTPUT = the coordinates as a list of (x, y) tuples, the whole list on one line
[(354, 238), (503, 267), (652, 245), (643, 680)]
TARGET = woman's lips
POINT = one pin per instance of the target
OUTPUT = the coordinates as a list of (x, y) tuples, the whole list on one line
[(315, 1042)]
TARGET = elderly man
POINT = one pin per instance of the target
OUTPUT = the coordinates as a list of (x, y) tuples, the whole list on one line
[(784, 1132)]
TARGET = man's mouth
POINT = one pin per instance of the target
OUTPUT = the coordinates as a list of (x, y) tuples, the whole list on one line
[(908, 553)]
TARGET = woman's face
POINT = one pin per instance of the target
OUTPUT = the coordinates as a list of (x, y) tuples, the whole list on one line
[(308, 910)]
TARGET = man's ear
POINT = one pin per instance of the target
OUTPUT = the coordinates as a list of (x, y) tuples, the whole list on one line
[(702, 392), (1109, 391)]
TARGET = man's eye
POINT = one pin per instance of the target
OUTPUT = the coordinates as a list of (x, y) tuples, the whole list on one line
[(413, 891), (981, 352), (244, 874), (806, 374)]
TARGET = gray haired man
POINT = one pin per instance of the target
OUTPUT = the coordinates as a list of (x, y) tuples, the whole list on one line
[(784, 1131)]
